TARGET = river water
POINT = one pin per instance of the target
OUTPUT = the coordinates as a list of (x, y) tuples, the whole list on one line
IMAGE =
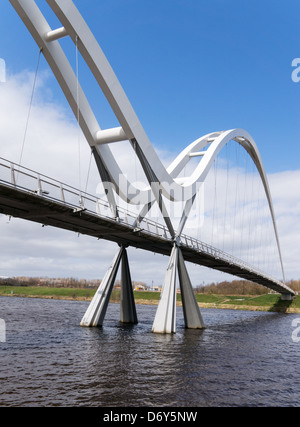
[(242, 358)]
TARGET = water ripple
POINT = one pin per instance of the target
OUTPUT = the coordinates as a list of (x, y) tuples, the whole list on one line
[(240, 359)]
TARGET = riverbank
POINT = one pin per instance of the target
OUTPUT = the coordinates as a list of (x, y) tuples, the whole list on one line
[(268, 302)]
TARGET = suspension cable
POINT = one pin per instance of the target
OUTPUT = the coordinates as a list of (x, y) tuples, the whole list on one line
[(78, 113), (250, 250), (215, 200), (30, 105), (226, 196), (237, 158), (244, 201), (88, 174)]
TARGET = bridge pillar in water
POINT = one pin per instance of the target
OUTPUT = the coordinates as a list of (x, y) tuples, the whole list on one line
[(96, 311), (192, 316), (165, 318), (127, 304)]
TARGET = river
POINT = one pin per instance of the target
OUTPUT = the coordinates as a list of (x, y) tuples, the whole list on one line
[(242, 358)]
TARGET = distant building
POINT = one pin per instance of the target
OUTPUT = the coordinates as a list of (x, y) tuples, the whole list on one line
[(141, 287), (156, 289)]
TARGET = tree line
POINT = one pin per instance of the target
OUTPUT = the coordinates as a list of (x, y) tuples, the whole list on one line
[(241, 287), (235, 287), (61, 282)]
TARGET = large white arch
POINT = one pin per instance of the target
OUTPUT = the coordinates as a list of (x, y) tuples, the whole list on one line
[(131, 128), (161, 180), (173, 188)]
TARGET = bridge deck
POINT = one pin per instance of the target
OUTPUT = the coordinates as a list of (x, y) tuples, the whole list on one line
[(27, 204)]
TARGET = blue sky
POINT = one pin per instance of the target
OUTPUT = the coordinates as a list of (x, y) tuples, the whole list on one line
[(189, 67)]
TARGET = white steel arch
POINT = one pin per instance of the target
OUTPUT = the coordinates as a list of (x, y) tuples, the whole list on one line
[(131, 129), (162, 181), (74, 26)]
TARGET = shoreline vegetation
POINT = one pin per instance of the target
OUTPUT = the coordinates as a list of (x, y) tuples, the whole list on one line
[(265, 302)]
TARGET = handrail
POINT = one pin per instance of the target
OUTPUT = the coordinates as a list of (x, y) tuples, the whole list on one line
[(42, 182)]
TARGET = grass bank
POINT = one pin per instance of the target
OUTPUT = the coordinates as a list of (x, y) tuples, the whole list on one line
[(268, 302)]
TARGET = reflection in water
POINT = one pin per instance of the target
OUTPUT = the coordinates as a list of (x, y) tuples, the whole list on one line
[(241, 358)]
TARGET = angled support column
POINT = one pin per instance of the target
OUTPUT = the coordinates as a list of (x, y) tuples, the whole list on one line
[(185, 214), (127, 304), (191, 311), (155, 187), (165, 318), (107, 184), (96, 311), (146, 208)]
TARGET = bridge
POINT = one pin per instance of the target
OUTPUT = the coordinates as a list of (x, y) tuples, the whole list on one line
[(32, 196)]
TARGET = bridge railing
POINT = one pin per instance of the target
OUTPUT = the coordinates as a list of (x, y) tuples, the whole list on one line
[(205, 248), (27, 180)]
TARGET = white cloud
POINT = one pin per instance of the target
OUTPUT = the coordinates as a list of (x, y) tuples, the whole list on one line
[(285, 189), (51, 147)]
